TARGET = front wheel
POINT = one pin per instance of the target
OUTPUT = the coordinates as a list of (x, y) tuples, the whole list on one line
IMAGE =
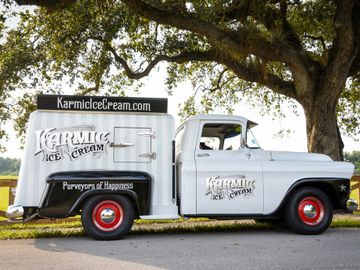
[(107, 217), (309, 211)]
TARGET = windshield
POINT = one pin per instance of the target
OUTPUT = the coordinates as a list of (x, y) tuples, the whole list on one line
[(251, 140)]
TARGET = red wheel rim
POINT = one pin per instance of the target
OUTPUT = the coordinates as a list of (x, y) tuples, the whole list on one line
[(107, 215), (311, 211)]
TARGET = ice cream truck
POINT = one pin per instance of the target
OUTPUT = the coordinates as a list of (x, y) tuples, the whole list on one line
[(112, 160)]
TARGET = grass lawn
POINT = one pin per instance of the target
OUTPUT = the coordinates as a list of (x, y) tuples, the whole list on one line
[(74, 229), (4, 194)]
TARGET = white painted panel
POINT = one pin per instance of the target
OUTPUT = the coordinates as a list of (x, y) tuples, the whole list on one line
[(34, 170)]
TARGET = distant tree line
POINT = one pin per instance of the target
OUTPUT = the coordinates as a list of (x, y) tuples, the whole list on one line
[(9, 166), (354, 158)]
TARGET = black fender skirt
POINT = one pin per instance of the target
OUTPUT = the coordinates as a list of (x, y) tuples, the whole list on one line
[(67, 191), (338, 189)]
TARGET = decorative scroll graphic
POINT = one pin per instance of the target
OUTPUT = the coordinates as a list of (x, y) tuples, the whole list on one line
[(219, 188), (74, 142)]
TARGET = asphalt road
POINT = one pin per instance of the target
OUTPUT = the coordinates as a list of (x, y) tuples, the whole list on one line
[(335, 249)]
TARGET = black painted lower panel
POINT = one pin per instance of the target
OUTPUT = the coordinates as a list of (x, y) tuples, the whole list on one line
[(66, 191)]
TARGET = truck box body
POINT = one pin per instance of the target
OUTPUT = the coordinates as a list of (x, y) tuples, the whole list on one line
[(72, 141)]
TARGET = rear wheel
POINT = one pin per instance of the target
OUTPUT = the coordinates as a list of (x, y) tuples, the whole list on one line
[(107, 217), (309, 211)]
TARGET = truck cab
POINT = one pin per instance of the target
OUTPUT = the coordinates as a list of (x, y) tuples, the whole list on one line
[(223, 172)]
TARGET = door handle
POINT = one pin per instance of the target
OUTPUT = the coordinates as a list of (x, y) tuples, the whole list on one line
[(121, 144), (203, 155)]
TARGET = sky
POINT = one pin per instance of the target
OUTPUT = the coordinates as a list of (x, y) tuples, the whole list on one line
[(266, 132)]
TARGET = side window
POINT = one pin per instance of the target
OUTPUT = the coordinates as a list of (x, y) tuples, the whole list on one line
[(210, 143), (220, 136), (232, 140)]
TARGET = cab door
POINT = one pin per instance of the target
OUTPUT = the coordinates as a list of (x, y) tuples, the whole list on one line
[(229, 180)]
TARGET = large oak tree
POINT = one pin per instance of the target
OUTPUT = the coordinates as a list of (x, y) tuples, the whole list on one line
[(308, 51)]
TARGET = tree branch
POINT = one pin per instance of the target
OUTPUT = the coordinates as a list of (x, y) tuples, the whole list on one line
[(239, 9), (46, 3), (218, 83), (238, 44), (271, 18), (252, 74), (319, 38), (355, 68), (247, 73), (343, 52), (180, 58)]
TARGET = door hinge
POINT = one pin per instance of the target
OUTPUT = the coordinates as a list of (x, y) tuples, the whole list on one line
[(149, 134)]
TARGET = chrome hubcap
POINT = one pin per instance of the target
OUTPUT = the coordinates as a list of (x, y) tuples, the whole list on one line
[(309, 211), (107, 215)]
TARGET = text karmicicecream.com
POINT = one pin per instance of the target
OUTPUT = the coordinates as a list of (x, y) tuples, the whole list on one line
[(104, 104)]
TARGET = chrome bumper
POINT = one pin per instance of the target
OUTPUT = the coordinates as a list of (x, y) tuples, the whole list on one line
[(15, 212), (351, 205)]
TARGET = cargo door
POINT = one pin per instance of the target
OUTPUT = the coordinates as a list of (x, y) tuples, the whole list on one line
[(133, 145)]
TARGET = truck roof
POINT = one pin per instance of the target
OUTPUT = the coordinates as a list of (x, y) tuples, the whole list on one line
[(217, 117), (220, 117)]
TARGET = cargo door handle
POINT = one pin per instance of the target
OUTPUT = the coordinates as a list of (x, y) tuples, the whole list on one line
[(121, 144), (203, 155)]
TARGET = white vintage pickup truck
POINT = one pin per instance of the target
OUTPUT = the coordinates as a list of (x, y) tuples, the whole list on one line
[(113, 160)]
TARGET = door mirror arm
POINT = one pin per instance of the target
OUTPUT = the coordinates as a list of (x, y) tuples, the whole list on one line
[(243, 142)]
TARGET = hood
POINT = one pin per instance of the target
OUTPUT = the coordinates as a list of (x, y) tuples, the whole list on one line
[(297, 156)]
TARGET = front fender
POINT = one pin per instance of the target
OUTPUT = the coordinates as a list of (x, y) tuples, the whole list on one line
[(338, 190)]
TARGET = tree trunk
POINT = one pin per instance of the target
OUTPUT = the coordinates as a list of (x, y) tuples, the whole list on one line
[(323, 135)]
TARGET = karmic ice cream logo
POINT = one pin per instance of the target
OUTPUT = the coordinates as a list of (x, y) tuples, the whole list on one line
[(73, 142), (229, 187)]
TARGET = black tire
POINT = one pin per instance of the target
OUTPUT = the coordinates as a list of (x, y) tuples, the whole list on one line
[(309, 211), (112, 227)]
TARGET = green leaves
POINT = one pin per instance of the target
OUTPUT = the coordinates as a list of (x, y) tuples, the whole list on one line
[(348, 109)]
